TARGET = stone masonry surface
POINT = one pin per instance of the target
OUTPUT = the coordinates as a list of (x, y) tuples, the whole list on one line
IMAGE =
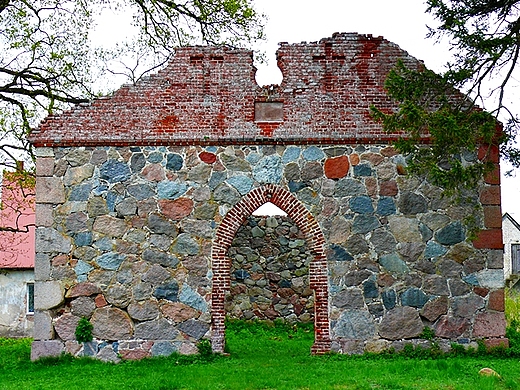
[(143, 196)]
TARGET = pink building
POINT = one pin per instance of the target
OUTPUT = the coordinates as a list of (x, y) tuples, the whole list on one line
[(17, 221)]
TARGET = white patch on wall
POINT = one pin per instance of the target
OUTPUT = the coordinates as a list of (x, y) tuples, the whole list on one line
[(269, 209)]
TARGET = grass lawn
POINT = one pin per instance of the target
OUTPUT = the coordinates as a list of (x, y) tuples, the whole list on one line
[(261, 357)]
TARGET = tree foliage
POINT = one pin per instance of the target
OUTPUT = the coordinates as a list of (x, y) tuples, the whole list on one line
[(49, 61), (441, 131), (485, 42)]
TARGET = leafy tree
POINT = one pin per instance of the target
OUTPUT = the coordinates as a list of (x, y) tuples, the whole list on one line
[(49, 62), (485, 41)]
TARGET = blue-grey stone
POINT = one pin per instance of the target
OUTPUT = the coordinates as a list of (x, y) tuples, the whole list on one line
[(243, 184), (226, 194), (114, 171), (159, 257), (253, 158), (394, 264), (313, 153), (386, 206), (362, 170), (50, 240), (361, 204), (370, 289), (349, 187), (389, 299), (211, 149), (337, 253), (194, 328), (241, 274), (155, 157), (90, 348), (137, 162), (163, 348), (291, 154), (169, 291), (364, 223), (235, 163), (192, 298), (491, 278), (174, 162), (186, 245), (104, 244), (413, 297), (411, 203), (170, 189), (383, 241), (268, 170), (284, 283), (100, 189), (110, 260), (80, 193), (140, 191), (295, 186), (355, 325), (160, 329), (309, 196), (433, 250), (82, 268), (451, 234), (83, 239), (471, 279), (426, 232), (216, 179), (161, 225), (111, 199)]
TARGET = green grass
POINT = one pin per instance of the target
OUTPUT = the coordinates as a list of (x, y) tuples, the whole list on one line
[(261, 357)]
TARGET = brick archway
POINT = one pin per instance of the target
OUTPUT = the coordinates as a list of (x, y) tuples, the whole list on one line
[(221, 263)]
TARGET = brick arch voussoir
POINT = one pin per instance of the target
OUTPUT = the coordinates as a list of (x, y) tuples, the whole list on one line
[(221, 264)]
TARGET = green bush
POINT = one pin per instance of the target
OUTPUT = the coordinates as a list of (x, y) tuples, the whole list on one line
[(84, 330)]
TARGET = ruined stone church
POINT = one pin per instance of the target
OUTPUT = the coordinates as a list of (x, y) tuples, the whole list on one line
[(145, 201)]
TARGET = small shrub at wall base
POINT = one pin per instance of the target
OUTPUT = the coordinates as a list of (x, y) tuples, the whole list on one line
[(204, 348), (83, 331)]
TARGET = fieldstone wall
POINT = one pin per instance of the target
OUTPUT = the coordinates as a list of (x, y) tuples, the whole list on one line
[(270, 272), (126, 238)]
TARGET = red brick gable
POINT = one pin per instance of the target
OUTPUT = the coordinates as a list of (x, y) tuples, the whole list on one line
[(209, 95)]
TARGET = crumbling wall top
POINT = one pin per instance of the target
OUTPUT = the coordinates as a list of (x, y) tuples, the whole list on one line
[(209, 95)]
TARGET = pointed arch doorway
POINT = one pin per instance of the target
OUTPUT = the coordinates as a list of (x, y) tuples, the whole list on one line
[(221, 263)]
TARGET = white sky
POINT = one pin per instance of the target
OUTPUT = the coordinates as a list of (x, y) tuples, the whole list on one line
[(400, 21)]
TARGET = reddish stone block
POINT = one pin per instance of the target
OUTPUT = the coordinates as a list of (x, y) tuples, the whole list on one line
[(84, 289), (45, 166), (452, 327), (336, 167), (489, 325), (388, 188), (493, 177), (481, 291), (496, 300), (100, 301), (489, 153), (176, 209), (208, 158), (494, 343), (489, 239), (134, 354), (492, 217), (389, 151), (490, 195)]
